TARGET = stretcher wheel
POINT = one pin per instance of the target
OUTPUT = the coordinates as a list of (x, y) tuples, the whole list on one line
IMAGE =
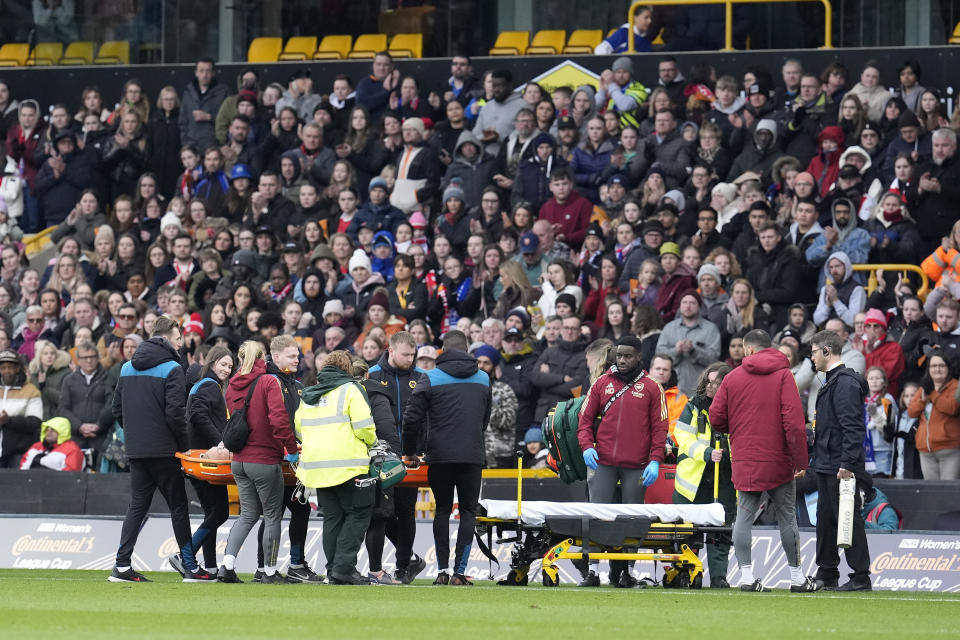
[(514, 579), (697, 582), (548, 581)]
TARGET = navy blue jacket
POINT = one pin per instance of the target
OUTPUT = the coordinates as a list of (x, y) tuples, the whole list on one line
[(840, 428), (399, 385), (150, 393), (206, 412), (456, 398)]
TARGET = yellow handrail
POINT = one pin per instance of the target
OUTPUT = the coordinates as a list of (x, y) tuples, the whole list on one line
[(872, 280), (34, 244), (728, 21)]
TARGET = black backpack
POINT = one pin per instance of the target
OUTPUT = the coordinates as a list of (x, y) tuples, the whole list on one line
[(237, 431)]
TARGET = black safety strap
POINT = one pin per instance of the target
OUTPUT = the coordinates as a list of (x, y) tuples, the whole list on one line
[(622, 391), (485, 548)]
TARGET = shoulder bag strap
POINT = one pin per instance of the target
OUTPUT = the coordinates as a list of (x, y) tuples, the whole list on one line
[(623, 390)]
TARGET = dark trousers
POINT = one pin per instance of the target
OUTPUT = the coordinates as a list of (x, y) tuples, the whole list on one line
[(402, 528), (346, 515), (718, 544), (146, 476), (296, 529), (615, 485), (216, 510), (828, 557), (443, 479)]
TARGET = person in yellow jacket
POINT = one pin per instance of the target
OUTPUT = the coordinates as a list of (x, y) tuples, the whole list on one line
[(698, 456), (336, 429)]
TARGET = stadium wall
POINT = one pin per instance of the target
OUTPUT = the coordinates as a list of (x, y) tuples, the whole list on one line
[(902, 561), (38, 492), (52, 85)]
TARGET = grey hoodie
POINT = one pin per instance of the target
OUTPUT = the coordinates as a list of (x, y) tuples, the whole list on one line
[(499, 116)]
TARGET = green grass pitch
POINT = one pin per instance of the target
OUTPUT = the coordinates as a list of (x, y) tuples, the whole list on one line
[(82, 604)]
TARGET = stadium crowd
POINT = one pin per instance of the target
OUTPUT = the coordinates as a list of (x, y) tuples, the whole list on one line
[(545, 222)]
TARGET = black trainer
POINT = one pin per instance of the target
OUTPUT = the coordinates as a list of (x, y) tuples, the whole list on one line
[(228, 576), (274, 578), (127, 576), (198, 575), (303, 575), (756, 587), (443, 578), (176, 561), (460, 580), (590, 580), (719, 583), (354, 578), (626, 581), (809, 586), (258, 575), (417, 565), (855, 585)]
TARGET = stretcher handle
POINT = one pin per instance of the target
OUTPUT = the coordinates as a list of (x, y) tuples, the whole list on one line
[(412, 462)]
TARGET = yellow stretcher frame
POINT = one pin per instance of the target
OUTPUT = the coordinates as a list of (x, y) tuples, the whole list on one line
[(672, 543)]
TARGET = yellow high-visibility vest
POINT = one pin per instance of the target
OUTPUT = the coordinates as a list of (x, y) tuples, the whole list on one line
[(693, 443), (336, 434)]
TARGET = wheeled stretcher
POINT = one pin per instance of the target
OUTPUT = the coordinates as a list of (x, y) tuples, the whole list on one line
[(581, 532)]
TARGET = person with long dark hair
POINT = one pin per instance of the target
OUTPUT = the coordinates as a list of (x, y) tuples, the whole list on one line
[(207, 418)]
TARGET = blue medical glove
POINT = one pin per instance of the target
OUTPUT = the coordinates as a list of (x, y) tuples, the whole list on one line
[(292, 458), (591, 458), (651, 473)]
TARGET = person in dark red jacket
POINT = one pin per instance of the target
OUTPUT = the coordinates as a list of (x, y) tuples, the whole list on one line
[(825, 166), (878, 351), (256, 467), (628, 444), (759, 406), (568, 211), (677, 278)]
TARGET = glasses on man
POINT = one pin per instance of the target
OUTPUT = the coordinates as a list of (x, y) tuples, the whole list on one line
[(90, 357), (34, 320), (127, 316)]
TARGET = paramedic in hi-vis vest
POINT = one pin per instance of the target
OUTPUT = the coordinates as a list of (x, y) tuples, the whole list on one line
[(627, 444), (703, 468), (336, 430)]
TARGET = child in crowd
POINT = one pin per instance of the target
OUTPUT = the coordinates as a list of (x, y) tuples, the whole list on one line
[(880, 416)]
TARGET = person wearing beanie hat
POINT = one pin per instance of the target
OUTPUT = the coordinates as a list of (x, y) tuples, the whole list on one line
[(500, 437), (359, 260), (521, 316), (170, 219), (620, 93), (565, 305), (334, 307), (418, 221), (670, 248), (454, 223), (713, 298), (418, 173), (692, 341), (194, 326), (911, 139), (881, 352)]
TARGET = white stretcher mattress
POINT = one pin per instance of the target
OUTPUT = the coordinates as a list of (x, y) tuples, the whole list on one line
[(534, 513)]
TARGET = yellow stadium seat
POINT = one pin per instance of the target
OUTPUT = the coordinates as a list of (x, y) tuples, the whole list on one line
[(264, 49), (511, 43), (45, 54), (368, 45), (78, 53), (14, 54), (583, 41), (658, 40), (333, 48), (299, 48), (113, 52), (547, 43), (955, 38), (407, 45)]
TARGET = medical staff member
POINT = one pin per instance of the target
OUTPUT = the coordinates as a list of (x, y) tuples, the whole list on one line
[(700, 452), (627, 445), (336, 430)]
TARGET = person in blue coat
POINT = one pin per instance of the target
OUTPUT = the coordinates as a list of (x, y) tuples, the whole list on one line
[(617, 41)]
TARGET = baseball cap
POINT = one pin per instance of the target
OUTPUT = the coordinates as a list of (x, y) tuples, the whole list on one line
[(513, 333), (290, 247), (617, 178), (427, 351), (566, 122), (9, 356)]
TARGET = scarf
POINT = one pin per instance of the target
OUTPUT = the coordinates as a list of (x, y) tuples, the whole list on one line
[(328, 379), (869, 458), (734, 319), (29, 341), (278, 296)]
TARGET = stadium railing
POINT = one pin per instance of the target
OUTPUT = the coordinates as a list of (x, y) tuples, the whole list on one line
[(895, 268)]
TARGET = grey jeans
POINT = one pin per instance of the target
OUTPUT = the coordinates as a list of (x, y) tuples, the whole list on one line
[(783, 502), (260, 489), (940, 465), (602, 484)]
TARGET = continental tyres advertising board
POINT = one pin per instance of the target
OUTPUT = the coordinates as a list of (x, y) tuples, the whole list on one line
[(902, 561)]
